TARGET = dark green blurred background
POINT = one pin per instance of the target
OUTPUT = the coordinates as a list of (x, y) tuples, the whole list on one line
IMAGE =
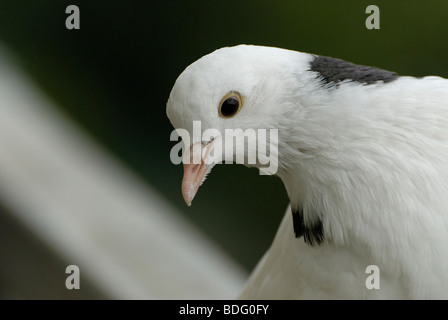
[(114, 75)]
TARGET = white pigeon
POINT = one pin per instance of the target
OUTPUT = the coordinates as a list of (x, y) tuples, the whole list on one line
[(363, 155)]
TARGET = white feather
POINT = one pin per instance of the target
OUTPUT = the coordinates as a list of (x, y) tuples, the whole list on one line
[(370, 161)]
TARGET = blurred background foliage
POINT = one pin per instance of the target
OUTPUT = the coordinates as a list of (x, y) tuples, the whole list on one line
[(114, 75)]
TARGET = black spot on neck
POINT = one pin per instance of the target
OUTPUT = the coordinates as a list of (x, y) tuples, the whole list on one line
[(331, 71), (312, 234)]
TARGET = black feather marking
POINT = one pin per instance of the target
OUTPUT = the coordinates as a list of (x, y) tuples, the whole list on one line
[(332, 71), (312, 234)]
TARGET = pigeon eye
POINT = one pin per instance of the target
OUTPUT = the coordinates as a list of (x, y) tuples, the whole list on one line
[(230, 104)]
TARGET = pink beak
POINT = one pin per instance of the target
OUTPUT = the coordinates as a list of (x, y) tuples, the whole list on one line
[(196, 168)]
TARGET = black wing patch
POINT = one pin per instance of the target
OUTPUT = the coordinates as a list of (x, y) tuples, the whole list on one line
[(332, 71), (312, 234)]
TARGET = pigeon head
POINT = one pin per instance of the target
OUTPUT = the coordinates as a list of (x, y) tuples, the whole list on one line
[(243, 90)]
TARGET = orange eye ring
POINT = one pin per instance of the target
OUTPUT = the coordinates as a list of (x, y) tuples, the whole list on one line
[(230, 105)]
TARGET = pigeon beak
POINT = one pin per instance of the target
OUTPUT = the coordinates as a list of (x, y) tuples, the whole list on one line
[(197, 164)]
